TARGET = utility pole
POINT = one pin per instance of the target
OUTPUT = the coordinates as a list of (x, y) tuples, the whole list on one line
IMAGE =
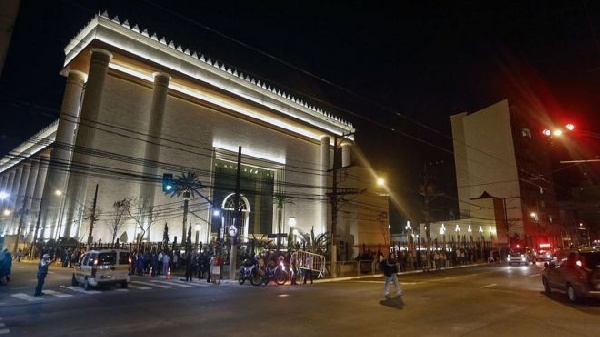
[(92, 218), (333, 197), (237, 218), (429, 191), (334, 210)]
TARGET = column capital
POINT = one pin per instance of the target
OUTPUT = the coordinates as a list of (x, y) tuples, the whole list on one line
[(101, 55), (74, 74), (161, 78)]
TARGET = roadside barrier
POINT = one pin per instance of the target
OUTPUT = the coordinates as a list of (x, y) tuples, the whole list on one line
[(318, 262)]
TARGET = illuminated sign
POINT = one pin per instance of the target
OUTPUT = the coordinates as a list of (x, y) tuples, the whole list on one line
[(545, 245)]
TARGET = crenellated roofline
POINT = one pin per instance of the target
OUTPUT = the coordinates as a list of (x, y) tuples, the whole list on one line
[(140, 42)]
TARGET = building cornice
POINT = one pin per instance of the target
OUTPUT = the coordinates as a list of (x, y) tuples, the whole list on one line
[(142, 44), (30, 147)]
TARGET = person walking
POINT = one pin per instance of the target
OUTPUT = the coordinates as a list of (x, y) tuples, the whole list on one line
[(41, 275), (390, 271), (165, 264)]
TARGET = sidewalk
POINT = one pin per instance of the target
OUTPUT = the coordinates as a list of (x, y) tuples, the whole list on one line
[(416, 271)]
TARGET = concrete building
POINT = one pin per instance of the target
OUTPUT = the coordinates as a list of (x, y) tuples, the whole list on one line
[(503, 174), (137, 106)]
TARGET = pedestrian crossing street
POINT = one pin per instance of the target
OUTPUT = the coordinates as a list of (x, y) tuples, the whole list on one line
[(134, 285)]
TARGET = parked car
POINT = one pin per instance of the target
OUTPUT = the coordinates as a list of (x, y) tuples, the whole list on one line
[(576, 273)]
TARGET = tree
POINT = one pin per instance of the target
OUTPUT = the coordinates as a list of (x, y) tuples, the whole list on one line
[(116, 223), (187, 186), (166, 238), (144, 215), (315, 244)]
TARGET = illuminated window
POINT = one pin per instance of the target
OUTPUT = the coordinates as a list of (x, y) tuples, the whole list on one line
[(525, 132)]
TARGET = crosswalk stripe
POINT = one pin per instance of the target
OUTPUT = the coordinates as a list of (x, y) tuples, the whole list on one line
[(83, 291), (191, 283), (26, 297), (2, 325), (122, 289), (139, 287), (4, 331), (177, 284), (56, 293), (150, 284)]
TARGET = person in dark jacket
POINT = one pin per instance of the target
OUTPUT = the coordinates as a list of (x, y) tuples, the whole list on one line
[(389, 267), (41, 274)]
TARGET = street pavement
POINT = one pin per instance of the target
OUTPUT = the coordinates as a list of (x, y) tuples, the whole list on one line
[(481, 300)]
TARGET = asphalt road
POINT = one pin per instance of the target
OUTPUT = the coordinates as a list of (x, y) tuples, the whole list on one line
[(474, 301)]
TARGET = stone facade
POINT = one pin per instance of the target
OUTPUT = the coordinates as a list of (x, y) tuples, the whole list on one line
[(148, 108)]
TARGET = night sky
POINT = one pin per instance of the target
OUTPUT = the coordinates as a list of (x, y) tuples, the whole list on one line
[(383, 65)]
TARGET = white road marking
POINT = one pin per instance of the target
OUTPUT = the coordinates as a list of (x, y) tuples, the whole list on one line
[(4, 331), (195, 283), (2, 325), (150, 284), (56, 293), (122, 289), (172, 283), (83, 291), (490, 285), (139, 287), (26, 297)]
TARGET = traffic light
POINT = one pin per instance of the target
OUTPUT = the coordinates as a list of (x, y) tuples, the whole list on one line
[(167, 182)]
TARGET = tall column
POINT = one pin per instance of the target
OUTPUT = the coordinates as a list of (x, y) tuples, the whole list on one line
[(346, 153), (36, 205), (325, 166), (90, 111), (31, 182), (14, 189), (12, 200), (5, 203), (62, 149), (152, 151), (29, 193), (3, 188), (21, 196)]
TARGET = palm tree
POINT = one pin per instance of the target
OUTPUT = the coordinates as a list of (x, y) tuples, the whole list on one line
[(280, 200), (187, 186), (315, 244)]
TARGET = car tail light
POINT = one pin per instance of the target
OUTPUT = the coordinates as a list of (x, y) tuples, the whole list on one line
[(94, 267)]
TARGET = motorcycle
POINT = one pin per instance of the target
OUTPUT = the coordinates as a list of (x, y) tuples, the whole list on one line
[(278, 273), (247, 271)]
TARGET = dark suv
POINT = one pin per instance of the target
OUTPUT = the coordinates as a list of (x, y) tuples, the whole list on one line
[(575, 272)]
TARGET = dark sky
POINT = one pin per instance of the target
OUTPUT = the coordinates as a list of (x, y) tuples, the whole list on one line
[(368, 60)]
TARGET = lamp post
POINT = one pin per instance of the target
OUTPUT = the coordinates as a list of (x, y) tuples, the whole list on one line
[(292, 223)]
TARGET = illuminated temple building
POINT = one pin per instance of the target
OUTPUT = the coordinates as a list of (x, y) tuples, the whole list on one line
[(137, 106)]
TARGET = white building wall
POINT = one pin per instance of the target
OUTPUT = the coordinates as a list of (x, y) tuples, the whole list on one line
[(490, 159), (126, 105)]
